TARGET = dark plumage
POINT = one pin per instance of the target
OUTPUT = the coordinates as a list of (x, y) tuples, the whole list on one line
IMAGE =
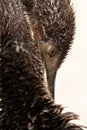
[(25, 101), (53, 25)]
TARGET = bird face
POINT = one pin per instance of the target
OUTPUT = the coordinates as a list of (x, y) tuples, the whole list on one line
[(53, 25), (50, 56)]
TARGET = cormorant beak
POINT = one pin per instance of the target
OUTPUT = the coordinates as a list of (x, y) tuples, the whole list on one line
[(51, 77), (50, 64)]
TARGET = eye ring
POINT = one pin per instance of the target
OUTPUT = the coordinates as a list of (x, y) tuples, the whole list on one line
[(52, 51)]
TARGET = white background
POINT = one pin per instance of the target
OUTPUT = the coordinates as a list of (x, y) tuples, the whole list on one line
[(71, 81)]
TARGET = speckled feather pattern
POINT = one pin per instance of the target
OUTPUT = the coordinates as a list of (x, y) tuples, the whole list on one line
[(57, 21), (25, 102)]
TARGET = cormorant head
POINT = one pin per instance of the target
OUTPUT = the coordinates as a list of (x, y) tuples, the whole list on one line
[(53, 24)]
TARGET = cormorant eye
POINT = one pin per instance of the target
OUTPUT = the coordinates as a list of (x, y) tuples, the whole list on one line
[(52, 51)]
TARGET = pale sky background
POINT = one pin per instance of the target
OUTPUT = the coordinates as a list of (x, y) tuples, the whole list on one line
[(71, 81)]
